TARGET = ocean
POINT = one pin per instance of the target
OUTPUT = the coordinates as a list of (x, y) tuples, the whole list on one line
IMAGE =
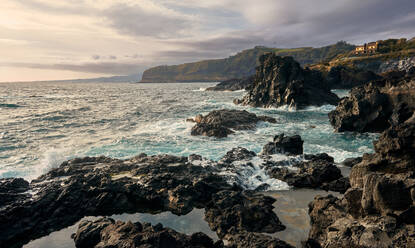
[(44, 124)]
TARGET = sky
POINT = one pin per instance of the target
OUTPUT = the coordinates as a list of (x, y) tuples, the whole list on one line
[(67, 39)]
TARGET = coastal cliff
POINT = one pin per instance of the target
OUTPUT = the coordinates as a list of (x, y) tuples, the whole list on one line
[(240, 65)]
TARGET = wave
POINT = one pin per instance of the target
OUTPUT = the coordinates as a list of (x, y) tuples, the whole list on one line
[(9, 105)]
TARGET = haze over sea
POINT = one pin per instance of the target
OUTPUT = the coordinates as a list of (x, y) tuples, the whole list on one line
[(44, 124)]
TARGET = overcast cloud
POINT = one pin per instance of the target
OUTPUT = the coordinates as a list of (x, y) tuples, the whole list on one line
[(48, 39)]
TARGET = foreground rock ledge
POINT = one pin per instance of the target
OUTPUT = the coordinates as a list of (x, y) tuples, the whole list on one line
[(221, 123), (148, 184), (281, 81), (378, 210)]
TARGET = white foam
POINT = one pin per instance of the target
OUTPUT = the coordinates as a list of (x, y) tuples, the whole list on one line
[(251, 174)]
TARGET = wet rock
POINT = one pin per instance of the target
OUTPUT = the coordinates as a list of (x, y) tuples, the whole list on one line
[(12, 190), (377, 105), (237, 154), (378, 209), (350, 162), (256, 240), (233, 212), (233, 84), (311, 174), (281, 81), (290, 145), (106, 232), (147, 184), (221, 123)]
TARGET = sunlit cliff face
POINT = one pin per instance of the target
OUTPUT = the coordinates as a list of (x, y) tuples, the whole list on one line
[(47, 39)]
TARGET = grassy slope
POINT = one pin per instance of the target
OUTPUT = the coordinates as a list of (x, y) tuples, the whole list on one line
[(239, 65)]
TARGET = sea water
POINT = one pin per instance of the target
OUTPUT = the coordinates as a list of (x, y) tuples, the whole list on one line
[(44, 124)]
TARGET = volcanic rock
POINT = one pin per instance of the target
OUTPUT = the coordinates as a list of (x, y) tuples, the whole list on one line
[(147, 184), (290, 145), (376, 106), (221, 123), (343, 77), (281, 81), (106, 232), (378, 210)]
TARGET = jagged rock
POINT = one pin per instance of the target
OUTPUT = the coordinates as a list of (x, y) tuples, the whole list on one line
[(220, 123), (378, 210), (311, 174), (238, 154), (281, 81), (377, 105), (106, 232), (343, 77), (290, 145), (12, 189), (350, 162), (233, 84), (148, 184), (232, 212), (339, 185)]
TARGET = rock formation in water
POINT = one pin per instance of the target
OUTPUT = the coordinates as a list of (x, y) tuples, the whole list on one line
[(378, 210), (281, 81), (106, 232), (234, 84), (290, 145), (220, 123), (376, 106)]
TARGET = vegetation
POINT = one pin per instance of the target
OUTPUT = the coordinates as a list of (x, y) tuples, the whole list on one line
[(240, 65)]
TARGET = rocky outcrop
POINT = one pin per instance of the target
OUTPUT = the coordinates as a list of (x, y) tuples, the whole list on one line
[(376, 106), (233, 84), (12, 190), (281, 81), (403, 64), (378, 210), (147, 184), (319, 171), (344, 77), (290, 145), (106, 232), (221, 123)]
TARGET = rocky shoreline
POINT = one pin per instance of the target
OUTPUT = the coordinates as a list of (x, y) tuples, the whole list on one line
[(375, 207)]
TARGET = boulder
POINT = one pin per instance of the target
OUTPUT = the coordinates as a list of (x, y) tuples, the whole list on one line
[(290, 145), (311, 174), (106, 232), (281, 81), (221, 123), (376, 106)]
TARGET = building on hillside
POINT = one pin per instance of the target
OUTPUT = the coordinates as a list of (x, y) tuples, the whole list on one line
[(367, 48)]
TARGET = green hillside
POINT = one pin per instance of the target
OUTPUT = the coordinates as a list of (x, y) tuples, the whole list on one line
[(240, 65)]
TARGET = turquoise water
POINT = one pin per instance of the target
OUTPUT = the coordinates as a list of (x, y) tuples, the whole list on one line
[(44, 124)]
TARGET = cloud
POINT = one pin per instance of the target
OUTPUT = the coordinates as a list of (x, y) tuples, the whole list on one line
[(126, 36), (147, 19)]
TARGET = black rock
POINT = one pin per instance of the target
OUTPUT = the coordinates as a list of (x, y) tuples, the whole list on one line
[(377, 105), (290, 145), (281, 81), (221, 123)]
